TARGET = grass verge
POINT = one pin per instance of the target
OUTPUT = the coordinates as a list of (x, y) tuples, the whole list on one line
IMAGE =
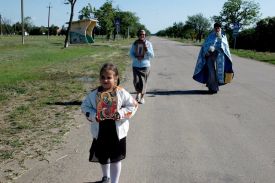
[(41, 84)]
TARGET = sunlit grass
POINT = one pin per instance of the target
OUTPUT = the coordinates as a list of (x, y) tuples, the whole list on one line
[(260, 56), (38, 80)]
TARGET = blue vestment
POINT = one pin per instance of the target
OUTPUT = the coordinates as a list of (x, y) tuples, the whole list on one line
[(223, 63)]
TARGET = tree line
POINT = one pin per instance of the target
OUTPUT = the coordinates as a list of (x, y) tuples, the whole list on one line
[(113, 21), (106, 15), (254, 33), (16, 29)]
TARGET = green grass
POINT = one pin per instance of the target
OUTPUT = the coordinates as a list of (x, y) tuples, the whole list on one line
[(28, 62), (260, 56), (186, 41), (38, 80)]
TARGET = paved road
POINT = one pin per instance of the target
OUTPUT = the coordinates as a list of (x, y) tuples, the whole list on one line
[(181, 134)]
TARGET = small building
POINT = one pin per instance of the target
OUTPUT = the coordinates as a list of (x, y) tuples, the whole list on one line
[(82, 30)]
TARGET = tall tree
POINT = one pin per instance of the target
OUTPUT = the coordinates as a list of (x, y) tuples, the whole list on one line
[(128, 20), (28, 24), (244, 12), (72, 3), (199, 23), (106, 18)]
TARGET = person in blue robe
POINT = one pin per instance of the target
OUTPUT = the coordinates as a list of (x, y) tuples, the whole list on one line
[(214, 63)]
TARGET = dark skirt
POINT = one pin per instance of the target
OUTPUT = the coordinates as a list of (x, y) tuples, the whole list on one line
[(140, 76), (107, 148), (212, 81)]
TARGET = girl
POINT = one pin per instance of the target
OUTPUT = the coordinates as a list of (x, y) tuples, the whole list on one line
[(108, 108)]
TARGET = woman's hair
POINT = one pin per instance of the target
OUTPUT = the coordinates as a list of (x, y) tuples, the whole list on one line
[(112, 67), (139, 32)]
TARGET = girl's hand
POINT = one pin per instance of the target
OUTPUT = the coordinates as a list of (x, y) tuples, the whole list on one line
[(117, 116), (87, 116), (89, 120)]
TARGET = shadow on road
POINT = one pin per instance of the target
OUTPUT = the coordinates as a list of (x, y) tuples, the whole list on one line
[(178, 92), (152, 92), (67, 103)]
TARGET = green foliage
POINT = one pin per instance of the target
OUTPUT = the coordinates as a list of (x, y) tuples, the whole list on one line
[(6, 154), (106, 18), (199, 24), (128, 20), (244, 12), (10, 29), (106, 15), (259, 38), (194, 28), (86, 12)]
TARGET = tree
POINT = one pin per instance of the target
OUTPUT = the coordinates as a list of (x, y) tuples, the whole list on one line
[(28, 25), (265, 37), (72, 3), (62, 31), (199, 23), (244, 12), (178, 30), (54, 29), (128, 21), (86, 12), (5, 26), (38, 30), (106, 17)]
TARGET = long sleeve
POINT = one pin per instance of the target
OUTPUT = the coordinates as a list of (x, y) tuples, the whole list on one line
[(132, 52), (209, 41), (150, 51), (129, 105), (88, 107)]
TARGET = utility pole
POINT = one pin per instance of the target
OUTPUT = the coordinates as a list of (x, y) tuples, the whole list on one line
[(49, 13), (22, 20), (0, 24)]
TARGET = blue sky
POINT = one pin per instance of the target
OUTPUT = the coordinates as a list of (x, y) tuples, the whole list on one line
[(154, 14)]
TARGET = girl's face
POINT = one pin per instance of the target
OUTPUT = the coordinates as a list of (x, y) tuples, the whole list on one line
[(108, 79)]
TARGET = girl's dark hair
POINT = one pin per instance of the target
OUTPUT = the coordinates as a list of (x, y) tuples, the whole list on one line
[(112, 67)]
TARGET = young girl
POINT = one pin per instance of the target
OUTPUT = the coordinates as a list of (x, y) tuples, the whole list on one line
[(108, 108)]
